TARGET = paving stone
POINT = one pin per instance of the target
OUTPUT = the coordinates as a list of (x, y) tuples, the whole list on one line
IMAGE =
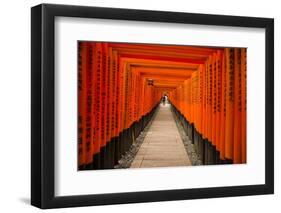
[(162, 146), (163, 163), (136, 163)]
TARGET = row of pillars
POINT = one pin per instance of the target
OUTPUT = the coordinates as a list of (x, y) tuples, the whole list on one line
[(109, 155), (206, 151)]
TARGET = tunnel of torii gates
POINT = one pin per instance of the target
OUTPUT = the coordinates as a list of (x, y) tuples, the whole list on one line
[(121, 86)]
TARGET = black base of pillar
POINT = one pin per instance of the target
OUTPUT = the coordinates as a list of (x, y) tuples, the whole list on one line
[(88, 166), (96, 161), (201, 148), (112, 151), (117, 154), (103, 157), (107, 156), (228, 161)]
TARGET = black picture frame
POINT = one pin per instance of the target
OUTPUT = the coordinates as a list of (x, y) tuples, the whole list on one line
[(43, 102)]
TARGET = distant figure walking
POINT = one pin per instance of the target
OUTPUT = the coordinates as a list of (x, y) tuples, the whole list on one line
[(164, 99)]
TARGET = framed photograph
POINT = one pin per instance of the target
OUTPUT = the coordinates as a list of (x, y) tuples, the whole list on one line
[(139, 106)]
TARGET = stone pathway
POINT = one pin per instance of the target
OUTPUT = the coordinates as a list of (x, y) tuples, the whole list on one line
[(162, 146)]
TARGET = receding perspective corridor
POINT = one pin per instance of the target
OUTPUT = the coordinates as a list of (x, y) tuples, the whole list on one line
[(160, 105)]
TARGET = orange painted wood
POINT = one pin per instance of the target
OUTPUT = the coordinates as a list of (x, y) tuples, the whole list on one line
[(207, 85), (82, 66), (107, 93), (229, 124), (219, 99), (237, 107), (244, 105), (116, 93), (214, 99), (223, 107), (88, 104), (97, 95)]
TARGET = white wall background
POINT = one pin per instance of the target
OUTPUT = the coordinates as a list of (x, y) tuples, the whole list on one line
[(15, 105)]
